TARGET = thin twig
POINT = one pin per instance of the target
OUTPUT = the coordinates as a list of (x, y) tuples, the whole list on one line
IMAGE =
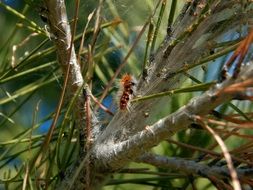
[(234, 176), (101, 105), (88, 140)]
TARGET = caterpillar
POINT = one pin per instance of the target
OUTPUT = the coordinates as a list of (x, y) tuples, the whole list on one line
[(127, 90)]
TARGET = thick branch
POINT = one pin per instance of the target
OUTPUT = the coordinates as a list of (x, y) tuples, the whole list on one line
[(61, 34), (115, 155)]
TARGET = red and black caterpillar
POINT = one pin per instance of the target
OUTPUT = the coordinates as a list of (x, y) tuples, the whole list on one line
[(127, 84)]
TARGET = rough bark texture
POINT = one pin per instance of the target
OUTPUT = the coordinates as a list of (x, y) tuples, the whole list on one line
[(127, 136), (61, 35)]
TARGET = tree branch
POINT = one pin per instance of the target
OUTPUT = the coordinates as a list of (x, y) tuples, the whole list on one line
[(192, 167), (114, 155), (61, 34)]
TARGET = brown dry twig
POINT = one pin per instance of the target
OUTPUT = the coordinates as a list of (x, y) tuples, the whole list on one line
[(234, 176), (240, 54)]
